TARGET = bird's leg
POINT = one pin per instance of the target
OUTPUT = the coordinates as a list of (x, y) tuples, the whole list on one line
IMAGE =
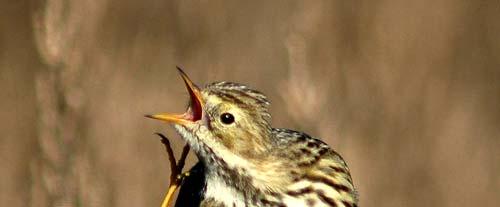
[(176, 176)]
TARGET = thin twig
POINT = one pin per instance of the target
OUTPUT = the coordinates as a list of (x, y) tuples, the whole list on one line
[(176, 176), (170, 153), (182, 161)]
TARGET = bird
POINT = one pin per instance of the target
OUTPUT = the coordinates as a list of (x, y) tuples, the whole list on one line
[(244, 161)]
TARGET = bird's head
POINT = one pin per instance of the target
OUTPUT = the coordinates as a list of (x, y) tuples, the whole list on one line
[(223, 120)]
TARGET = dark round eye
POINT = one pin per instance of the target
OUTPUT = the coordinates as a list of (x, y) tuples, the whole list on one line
[(227, 118)]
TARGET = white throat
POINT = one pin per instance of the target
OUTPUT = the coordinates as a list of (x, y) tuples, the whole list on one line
[(222, 193)]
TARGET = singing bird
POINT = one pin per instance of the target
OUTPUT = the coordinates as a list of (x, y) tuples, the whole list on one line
[(244, 161)]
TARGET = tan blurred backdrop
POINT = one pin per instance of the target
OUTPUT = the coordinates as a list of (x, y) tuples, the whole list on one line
[(407, 91)]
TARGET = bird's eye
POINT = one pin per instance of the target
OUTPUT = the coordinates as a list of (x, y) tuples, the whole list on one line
[(227, 118)]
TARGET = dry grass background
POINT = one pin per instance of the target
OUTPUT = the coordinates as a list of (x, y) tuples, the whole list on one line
[(408, 92)]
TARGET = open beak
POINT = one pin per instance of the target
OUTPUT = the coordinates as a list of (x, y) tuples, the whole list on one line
[(195, 109)]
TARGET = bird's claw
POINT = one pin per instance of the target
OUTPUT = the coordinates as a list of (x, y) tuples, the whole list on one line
[(182, 176), (176, 177)]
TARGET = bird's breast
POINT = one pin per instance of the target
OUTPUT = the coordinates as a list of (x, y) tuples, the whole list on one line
[(217, 191)]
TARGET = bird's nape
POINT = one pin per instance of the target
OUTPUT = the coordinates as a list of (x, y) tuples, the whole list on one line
[(246, 162)]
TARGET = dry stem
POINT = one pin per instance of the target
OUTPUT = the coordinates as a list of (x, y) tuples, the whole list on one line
[(176, 176)]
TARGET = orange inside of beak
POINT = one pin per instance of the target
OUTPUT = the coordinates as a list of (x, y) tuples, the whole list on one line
[(195, 109)]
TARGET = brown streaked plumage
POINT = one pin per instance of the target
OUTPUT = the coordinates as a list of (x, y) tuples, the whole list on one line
[(244, 161)]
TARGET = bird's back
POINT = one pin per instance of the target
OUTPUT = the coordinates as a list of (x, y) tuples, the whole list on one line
[(315, 176), (320, 176)]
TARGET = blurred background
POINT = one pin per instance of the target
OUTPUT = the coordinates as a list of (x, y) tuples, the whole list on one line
[(407, 91)]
